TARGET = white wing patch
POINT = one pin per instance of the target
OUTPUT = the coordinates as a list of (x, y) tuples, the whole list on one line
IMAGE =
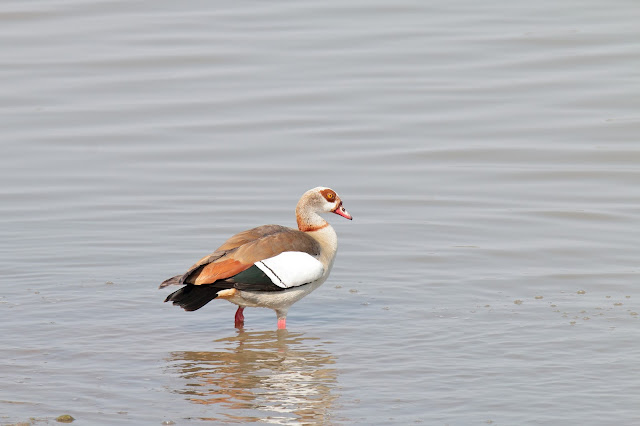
[(291, 268)]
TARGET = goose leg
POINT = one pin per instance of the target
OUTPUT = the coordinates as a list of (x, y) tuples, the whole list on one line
[(239, 317), (282, 323)]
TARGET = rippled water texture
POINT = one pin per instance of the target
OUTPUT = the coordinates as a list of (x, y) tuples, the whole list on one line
[(488, 152)]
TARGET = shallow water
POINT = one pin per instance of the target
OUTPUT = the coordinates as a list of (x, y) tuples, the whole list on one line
[(488, 153)]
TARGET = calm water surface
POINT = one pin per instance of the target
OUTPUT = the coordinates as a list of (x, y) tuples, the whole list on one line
[(489, 154)]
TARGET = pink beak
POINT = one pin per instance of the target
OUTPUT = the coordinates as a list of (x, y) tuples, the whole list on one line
[(342, 212)]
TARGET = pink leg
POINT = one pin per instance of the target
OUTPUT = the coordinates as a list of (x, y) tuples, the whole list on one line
[(282, 323), (239, 317)]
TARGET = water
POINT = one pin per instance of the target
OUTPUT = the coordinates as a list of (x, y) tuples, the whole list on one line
[(488, 153)]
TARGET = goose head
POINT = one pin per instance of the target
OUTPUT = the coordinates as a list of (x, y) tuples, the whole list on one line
[(315, 201)]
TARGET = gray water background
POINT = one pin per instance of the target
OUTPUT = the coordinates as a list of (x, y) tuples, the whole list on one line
[(488, 152)]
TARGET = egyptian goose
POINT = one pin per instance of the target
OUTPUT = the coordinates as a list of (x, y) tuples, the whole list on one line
[(270, 266)]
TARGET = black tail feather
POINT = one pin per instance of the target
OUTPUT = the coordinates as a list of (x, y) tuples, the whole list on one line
[(193, 297)]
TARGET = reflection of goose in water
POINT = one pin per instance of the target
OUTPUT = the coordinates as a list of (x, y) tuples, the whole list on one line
[(269, 376)]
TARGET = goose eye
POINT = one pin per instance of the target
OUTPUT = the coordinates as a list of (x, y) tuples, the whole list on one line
[(329, 195)]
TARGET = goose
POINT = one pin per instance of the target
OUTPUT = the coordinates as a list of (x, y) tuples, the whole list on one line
[(270, 266)]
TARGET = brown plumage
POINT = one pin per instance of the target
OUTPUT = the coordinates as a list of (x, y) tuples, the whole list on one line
[(238, 264), (242, 250)]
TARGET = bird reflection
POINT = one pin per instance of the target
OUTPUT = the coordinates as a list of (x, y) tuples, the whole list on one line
[(268, 376)]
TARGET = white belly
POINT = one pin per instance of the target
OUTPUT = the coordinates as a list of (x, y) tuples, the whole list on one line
[(277, 300)]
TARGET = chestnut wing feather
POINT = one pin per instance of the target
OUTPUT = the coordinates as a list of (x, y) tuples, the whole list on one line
[(241, 251)]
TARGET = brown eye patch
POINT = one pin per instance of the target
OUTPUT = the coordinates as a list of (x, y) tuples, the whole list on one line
[(329, 195)]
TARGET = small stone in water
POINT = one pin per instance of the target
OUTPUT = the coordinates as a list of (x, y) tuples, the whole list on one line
[(539, 297), (518, 302), (581, 292), (168, 422), (65, 418)]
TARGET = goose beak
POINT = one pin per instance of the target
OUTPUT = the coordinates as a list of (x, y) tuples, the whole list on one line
[(342, 212)]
